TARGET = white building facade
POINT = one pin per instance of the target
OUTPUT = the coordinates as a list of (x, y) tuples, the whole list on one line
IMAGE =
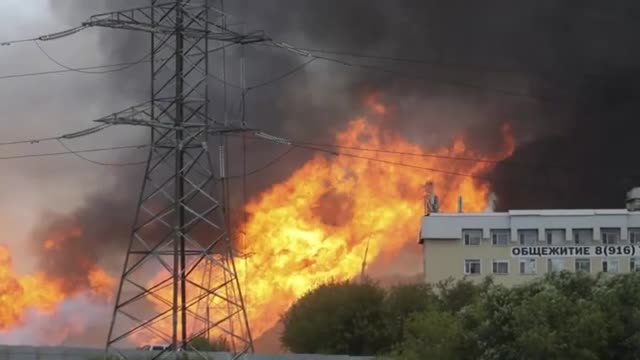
[(519, 245)]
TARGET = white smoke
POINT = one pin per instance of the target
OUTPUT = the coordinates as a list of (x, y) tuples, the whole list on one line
[(78, 321)]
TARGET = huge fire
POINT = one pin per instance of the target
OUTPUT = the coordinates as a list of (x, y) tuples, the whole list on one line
[(18, 293), (316, 225), (40, 292)]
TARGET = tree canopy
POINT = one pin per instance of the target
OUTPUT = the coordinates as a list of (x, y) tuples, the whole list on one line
[(562, 316)]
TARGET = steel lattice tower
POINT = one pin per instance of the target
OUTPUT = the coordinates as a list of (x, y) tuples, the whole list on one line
[(179, 236)]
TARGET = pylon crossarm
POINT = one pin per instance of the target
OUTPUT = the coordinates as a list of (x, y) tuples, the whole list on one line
[(138, 19)]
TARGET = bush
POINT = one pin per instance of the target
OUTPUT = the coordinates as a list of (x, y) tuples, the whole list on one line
[(338, 318)]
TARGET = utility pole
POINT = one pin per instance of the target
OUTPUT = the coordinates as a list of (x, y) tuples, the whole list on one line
[(180, 226)]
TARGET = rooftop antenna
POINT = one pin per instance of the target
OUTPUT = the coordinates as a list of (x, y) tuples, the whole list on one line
[(431, 202), (459, 204), (633, 199), (492, 202)]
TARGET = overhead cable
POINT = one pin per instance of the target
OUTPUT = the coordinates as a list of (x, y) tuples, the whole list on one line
[(72, 152), (48, 37), (389, 162), (404, 153), (80, 156), (265, 166), (122, 66), (436, 63), (59, 63), (281, 76), (73, 135), (419, 76)]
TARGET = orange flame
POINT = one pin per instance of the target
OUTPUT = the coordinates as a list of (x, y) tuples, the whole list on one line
[(18, 293), (39, 291), (315, 225), (101, 283)]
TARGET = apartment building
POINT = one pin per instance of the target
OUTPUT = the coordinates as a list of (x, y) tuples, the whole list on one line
[(519, 245)]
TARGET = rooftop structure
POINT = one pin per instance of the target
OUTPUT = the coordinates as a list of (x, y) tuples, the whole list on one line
[(518, 245)]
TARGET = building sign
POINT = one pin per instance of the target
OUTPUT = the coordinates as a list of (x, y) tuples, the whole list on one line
[(575, 251)]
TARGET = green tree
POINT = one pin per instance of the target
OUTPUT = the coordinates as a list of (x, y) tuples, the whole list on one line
[(433, 335), (402, 302), (619, 297), (455, 295), (338, 318), (562, 316)]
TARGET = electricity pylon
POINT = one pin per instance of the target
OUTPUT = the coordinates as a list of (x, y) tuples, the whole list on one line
[(179, 225)]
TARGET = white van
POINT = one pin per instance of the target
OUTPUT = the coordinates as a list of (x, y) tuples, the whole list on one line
[(155, 347)]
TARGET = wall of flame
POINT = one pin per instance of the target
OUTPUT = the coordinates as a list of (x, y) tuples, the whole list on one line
[(313, 227)]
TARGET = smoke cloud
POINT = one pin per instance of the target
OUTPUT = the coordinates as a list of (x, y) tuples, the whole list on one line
[(561, 73), (564, 74)]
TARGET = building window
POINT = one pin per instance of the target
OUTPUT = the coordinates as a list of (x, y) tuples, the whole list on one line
[(472, 237), (555, 237), (610, 236), (501, 267), (634, 236), (555, 265), (583, 236), (527, 266), (611, 265), (500, 237), (472, 267), (527, 237), (634, 265), (583, 265)]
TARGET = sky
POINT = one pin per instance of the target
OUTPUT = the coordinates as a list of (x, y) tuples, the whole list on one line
[(50, 105)]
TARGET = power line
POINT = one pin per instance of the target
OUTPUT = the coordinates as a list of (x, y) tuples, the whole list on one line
[(463, 66), (337, 153), (393, 152), (48, 37), (282, 76), (15, 76), (72, 152), (388, 162), (427, 155), (122, 64), (73, 135), (124, 67), (510, 161), (265, 166), (414, 75), (80, 156)]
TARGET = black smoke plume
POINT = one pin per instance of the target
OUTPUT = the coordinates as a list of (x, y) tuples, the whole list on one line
[(563, 73)]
